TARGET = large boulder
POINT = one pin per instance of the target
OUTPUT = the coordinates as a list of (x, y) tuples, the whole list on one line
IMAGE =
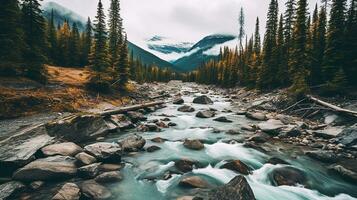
[(256, 116), (79, 128), (271, 126), (323, 156), (348, 136), (288, 176), (136, 116), (158, 140), (348, 174), (133, 143), (186, 108), (69, 191), (10, 189), (238, 166), (62, 149), (50, 168), (259, 137), (193, 144), (328, 133), (109, 177), (104, 151), (85, 159), (237, 189), (121, 121), (20, 149), (178, 101), (89, 171), (194, 182), (152, 148), (184, 165), (205, 114), (95, 191), (202, 100)]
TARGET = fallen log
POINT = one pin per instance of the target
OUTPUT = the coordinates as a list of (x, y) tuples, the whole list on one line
[(332, 107), (125, 109), (160, 96)]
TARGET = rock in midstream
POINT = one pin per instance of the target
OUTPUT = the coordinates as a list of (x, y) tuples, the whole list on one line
[(132, 143), (68, 191), (62, 149), (104, 151), (237, 189), (202, 100)]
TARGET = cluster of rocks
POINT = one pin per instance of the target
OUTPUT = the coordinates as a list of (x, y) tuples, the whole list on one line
[(51, 152)]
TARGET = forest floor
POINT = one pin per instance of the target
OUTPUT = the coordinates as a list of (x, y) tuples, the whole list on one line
[(65, 92)]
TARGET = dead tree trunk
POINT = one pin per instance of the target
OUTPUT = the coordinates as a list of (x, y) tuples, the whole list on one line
[(332, 107), (125, 109)]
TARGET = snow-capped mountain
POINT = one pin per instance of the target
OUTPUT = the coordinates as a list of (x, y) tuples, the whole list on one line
[(168, 49), (204, 50)]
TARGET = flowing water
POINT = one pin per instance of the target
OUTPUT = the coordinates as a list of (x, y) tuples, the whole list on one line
[(143, 173)]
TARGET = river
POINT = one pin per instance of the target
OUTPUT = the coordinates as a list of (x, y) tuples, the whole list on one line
[(143, 173)]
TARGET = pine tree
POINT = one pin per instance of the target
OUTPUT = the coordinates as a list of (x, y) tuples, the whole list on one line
[(64, 34), (11, 38), (257, 42), (74, 42), (99, 55), (34, 29), (268, 69), (298, 62), (241, 29), (115, 32), (52, 40), (281, 78), (257, 55), (87, 43), (351, 44), (334, 52), (123, 65)]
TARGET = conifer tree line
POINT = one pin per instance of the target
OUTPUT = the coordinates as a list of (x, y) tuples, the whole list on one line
[(299, 50)]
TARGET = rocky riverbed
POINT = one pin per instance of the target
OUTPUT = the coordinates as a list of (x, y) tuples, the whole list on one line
[(204, 143)]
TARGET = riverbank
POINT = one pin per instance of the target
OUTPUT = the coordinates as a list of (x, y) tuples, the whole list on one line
[(191, 147)]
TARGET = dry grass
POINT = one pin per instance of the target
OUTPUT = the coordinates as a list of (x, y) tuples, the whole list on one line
[(67, 93)]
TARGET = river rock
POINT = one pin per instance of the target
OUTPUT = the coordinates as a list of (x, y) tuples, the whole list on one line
[(172, 124), (247, 127), (272, 126), (10, 189), (233, 132), (288, 176), (202, 100), (345, 173), (35, 185), (104, 151), (328, 133), (186, 108), (292, 132), (256, 116), (323, 156), (20, 149), (162, 124), (348, 136), (178, 101), (236, 165), (79, 128), (122, 121), (69, 191), (194, 182), (62, 149), (89, 171), (259, 137), (110, 167), (50, 168), (109, 177), (95, 191), (237, 189), (158, 140), (136, 116), (205, 114), (223, 119), (133, 143), (276, 161), (152, 149), (85, 159), (193, 144), (184, 165)]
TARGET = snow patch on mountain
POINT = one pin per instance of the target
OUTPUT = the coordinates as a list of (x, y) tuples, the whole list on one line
[(215, 50)]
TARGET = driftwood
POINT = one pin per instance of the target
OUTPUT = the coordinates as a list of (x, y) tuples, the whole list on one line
[(332, 107), (160, 96), (125, 109)]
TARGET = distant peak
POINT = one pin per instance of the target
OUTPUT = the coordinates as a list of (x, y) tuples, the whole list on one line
[(156, 38)]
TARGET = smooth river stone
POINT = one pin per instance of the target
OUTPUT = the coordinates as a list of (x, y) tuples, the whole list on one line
[(63, 149)]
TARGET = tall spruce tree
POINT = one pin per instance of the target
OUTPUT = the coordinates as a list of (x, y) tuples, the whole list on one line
[(74, 46), (333, 66), (34, 29), (11, 38), (282, 69), (115, 32), (268, 69), (99, 55), (351, 44), (241, 29), (298, 62), (123, 65), (64, 34), (52, 40), (87, 43)]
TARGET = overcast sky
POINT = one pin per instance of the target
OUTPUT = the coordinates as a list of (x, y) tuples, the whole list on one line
[(182, 20)]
